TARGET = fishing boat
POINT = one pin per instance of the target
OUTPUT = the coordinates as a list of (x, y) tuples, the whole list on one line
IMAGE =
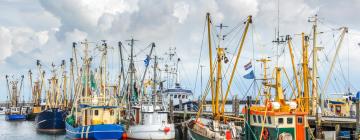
[(36, 89), (14, 112), (177, 93), (149, 115), (2, 110), (52, 118), (95, 112), (219, 126), (278, 117)]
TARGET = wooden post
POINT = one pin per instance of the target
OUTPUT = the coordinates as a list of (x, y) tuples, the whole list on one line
[(185, 111), (233, 106), (171, 109), (357, 132), (337, 130)]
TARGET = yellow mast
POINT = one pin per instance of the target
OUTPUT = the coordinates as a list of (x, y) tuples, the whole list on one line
[(210, 64), (288, 38), (220, 56), (264, 61), (249, 20), (305, 40)]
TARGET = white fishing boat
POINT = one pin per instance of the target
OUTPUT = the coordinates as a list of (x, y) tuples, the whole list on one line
[(148, 115), (154, 124), (2, 110)]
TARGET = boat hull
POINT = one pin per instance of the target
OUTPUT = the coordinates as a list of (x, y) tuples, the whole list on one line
[(15, 117), (51, 121), (194, 136), (101, 131), (146, 132), (31, 116)]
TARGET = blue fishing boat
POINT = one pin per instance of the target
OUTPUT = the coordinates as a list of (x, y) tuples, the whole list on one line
[(51, 121), (14, 113), (101, 126), (95, 113)]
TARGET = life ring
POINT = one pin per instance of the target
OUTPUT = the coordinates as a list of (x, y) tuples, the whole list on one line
[(265, 134)]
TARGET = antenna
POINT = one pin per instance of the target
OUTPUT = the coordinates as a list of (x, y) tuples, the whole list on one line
[(278, 39)]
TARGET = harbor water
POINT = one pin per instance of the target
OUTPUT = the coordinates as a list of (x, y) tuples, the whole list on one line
[(23, 130)]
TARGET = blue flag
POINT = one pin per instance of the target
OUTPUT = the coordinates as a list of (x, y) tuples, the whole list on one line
[(250, 75), (147, 60)]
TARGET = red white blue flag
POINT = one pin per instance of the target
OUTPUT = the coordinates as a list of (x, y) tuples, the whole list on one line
[(248, 66)]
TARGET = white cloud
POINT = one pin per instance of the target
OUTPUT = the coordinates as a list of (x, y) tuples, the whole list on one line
[(181, 11)]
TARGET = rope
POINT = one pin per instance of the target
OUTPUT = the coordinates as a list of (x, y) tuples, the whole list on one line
[(201, 47), (253, 134)]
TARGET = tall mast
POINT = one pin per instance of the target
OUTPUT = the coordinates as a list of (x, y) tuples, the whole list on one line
[(344, 30), (177, 83), (210, 63), (241, 45), (122, 73), (143, 77), (132, 68), (314, 71), (305, 40), (288, 38), (154, 82)]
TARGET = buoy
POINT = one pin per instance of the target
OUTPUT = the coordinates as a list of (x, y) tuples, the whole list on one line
[(124, 136), (166, 129), (228, 135)]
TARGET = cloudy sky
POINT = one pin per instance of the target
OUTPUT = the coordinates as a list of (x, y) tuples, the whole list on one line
[(45, 29)]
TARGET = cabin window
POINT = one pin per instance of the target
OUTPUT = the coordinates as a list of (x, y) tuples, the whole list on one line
[(254, 118), (183, 96), (300, 120), (259, 119), (111, 112), (175, 96), (269, 119), (96, 112), (186, 96), (281, 120), (289, 120)]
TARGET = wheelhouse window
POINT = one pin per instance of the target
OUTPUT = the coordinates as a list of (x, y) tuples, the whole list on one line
[(254, 118), (269, 120), (289, 120), (259, 119), (300, 120), (281, 120)]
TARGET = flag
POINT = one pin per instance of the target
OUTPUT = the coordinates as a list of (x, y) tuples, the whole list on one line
[(147, 60), (250, 75), (247, 66)]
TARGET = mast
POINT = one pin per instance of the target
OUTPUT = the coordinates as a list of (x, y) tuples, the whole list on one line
[(248, 22), (65, 97), (305, 40), (122, 73), (132, 68), (177, 83), (344, 30), (154, 82), (288, 38), (210, 64), (33, 93), (143, 77), (314, 71)]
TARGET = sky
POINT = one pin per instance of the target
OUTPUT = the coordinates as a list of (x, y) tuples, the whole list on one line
[(44, 30)]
